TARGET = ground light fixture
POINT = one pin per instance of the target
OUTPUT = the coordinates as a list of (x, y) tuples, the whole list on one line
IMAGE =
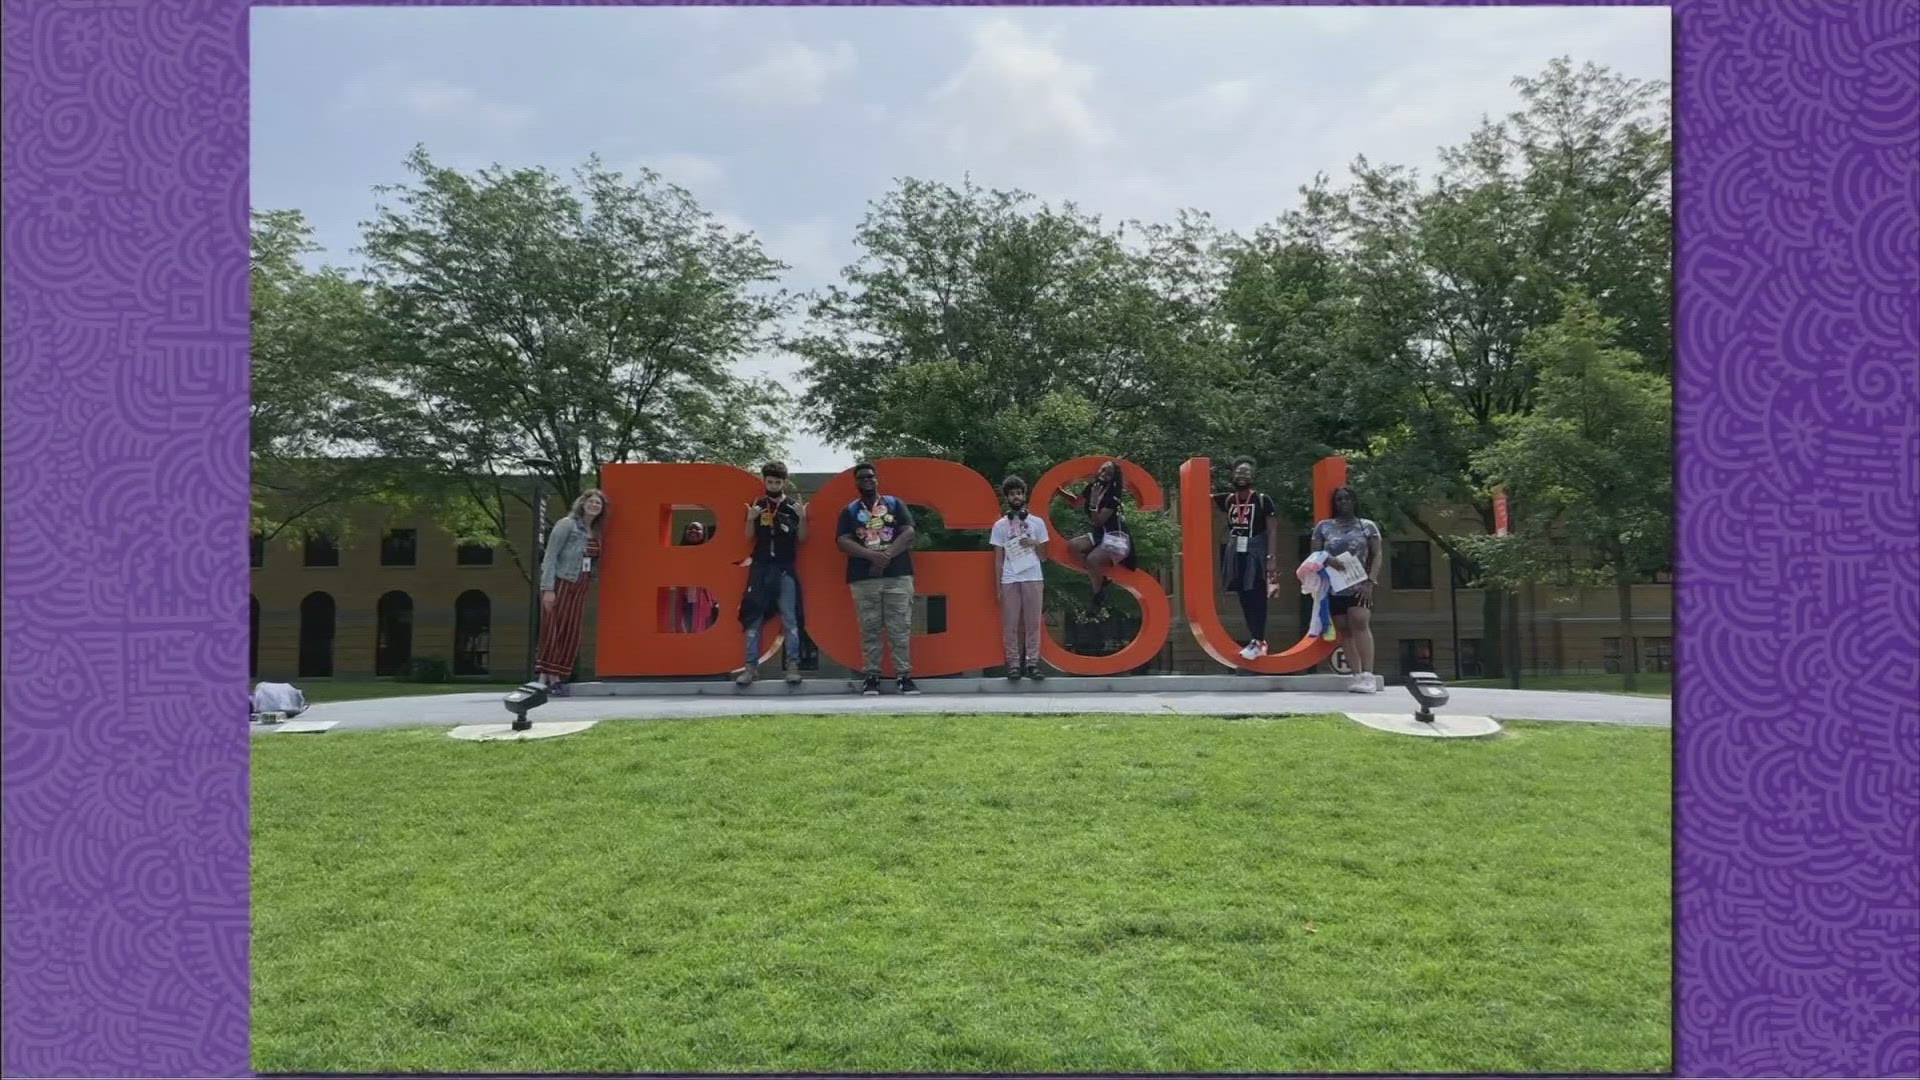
[(1428, 692), (527, 697)]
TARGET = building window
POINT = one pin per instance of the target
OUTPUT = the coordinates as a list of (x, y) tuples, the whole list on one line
[(253, 637), (257, 553), (1412, 564), (1611, 654), (322, 550), (936, 614), (1416, 654), (1660, 654), (472, 632), (809, 653), (316, 636), (1470, 664), (393, 634), (397, 547), (473, 555)]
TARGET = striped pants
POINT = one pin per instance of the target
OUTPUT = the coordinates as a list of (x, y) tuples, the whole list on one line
[(560, 628)]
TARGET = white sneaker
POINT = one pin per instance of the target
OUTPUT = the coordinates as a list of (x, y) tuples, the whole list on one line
[(1251, 651), (1358, 684), (1373, 683)]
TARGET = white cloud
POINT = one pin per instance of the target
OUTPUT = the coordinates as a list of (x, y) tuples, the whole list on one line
[(433, 101), (790, 74), (1017, 96), (732, 219), (812, 247), (1219, 106), (701, 174)]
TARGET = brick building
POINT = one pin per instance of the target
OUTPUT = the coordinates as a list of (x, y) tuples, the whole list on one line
[(396, 588)]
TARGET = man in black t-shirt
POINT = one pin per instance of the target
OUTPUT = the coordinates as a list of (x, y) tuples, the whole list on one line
[(777, 522), (876, 532), (1247, 566)]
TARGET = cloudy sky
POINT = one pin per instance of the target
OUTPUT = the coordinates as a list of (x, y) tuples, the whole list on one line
[(787, 121)]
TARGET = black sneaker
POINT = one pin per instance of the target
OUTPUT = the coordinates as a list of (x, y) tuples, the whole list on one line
[(1013, 673), (1034, 673), (907, 687), (871, 688)]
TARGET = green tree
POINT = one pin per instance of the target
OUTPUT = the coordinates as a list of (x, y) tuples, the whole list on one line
[(528, 326), (990, 329), (1416, 298), (1314, 369), (1594, 458), (987, 328), (308, 348)]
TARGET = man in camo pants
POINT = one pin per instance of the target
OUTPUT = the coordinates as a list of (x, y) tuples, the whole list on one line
[(876, 532)]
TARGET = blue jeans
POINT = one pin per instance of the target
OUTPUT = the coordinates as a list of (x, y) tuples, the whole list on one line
[(789, 600)]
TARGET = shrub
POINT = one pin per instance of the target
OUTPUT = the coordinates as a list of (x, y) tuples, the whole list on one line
[(426, 669)]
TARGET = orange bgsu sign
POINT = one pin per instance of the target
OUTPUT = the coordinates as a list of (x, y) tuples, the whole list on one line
[(644, 557)]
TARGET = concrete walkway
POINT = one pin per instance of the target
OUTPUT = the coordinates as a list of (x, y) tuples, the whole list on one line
[(448, 710)]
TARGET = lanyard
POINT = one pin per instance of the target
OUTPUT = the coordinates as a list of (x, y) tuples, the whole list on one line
[(1235, 504)]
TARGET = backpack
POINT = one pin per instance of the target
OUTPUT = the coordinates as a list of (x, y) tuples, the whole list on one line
[(278, 697)]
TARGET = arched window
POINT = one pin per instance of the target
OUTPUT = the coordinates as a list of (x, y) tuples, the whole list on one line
[(253, 636), (393, 634), (472, 632), (316, 636)]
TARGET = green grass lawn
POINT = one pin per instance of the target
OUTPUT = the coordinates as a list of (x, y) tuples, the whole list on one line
[(964, 894), (1651, 685), (318, 692)]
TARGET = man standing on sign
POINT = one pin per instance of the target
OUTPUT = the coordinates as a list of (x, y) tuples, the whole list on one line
[(778, 524), (876, 532), (1019, 540), (1246, 559)]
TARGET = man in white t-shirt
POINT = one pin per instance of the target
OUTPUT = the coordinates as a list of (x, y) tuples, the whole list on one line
[(1019, 543)]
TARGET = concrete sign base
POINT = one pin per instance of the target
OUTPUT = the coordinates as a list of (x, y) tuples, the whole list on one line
[(505, 732), (299, 727), (1444, 726)]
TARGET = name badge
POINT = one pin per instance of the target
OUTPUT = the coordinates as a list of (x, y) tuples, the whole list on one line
[(1240, 544), (586, 564)]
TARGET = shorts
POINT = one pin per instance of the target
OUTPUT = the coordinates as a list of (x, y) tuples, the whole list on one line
[(1340, 605)]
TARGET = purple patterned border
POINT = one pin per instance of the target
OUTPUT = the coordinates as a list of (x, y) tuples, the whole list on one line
[(1798, 815)]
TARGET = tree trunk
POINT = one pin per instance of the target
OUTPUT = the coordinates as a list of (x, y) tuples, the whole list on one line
[(1493, 610), (1629, 652), (1493, 638)]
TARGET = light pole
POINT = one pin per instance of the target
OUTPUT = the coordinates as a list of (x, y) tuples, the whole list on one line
[(535, 468), (1453, 603)]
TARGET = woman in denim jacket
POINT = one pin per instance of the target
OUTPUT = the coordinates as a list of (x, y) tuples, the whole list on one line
[(566, 577)]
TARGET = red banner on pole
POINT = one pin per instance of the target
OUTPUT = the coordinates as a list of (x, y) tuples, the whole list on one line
[(1499, 511)]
